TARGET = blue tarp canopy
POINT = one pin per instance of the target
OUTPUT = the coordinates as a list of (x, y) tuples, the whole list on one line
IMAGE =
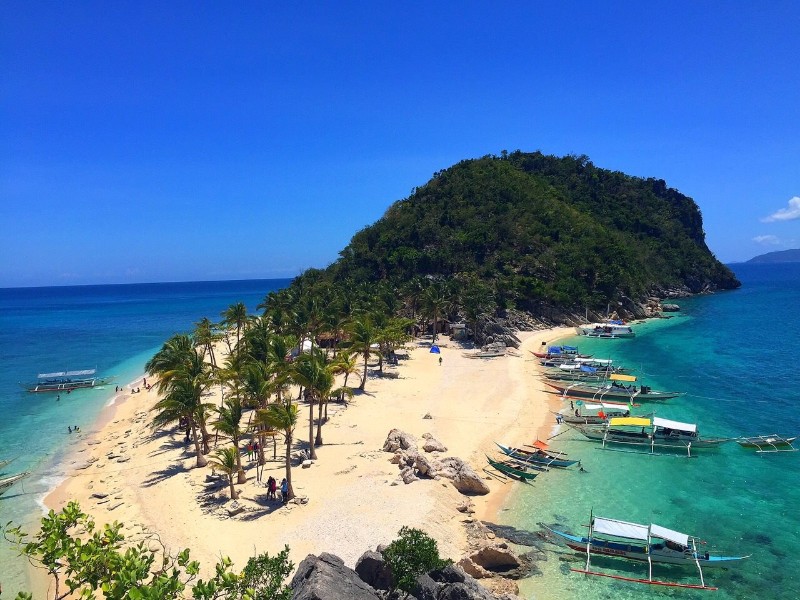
[(588, 369), (554, 350), (435, 349), (570, 348)]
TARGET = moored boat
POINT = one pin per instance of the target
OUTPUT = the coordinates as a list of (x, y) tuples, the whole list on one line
[(514, 470), (7, 482), (614, 328), (651, 433), (645, 543), (611, 391), (536, 456), (594, 413), (768, 443), (66, 381)]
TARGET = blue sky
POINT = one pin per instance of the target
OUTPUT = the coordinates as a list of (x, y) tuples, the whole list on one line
[(144, 141)]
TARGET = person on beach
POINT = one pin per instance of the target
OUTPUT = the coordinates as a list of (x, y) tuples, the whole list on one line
[(69, 428), (284, 491), (272, 488), (255, 449), (440, 361), (249, 450)]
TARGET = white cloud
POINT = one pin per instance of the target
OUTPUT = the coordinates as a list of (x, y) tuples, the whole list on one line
[(785, 214), (767, 240)]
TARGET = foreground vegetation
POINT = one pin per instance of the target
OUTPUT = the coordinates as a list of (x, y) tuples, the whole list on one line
[(87, 561)]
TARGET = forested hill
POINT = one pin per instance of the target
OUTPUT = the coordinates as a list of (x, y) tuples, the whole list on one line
[(780, 256), (541, 230)]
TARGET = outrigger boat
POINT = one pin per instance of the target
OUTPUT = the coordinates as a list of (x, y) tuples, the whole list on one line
[(612, 391), (492, 350), (537, 456), (614, 328), (66, 381), (514, 470), (646, 543), (650, 433), (768, 443), (7, 482), (568, 352), (594, 413)]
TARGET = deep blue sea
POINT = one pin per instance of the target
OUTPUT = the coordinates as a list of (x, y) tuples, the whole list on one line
[(114, 328), (735, 355)]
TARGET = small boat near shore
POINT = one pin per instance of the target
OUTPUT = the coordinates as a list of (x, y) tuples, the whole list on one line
[(566, 352), (650, 433), (512, 469), (7, 482), (66, 381), (492, 350), (536, 456), (593, 413), (644, 543)]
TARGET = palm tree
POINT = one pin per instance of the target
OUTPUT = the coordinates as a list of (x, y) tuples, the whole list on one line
[(225, 459), (362, 336), (345, 363), (205, 337), (282, 416), (435, 302), (166, 363), (181, 403), (230, 415), (311, 372), (235, 316)]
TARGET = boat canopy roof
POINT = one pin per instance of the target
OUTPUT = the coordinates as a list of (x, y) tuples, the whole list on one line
[(604, 405), (630, 421), (595, 361), (84, 373), (621, 377), (569, 367), (634, 531), (631, 531), (570, 348), (554, 350), (667, 424), (669, 534)]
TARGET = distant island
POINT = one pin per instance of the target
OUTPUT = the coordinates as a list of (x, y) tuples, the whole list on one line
[(781, 256)]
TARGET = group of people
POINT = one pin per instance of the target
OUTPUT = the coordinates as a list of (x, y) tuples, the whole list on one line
[(252, 450), (272, 489), (71, 429)]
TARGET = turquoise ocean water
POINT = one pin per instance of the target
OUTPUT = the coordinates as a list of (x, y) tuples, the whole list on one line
[(115, 328), (735, 355)]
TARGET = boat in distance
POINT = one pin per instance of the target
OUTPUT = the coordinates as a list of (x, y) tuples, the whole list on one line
[(66, 381), (644, 543), (537, 457), (768, 443), (610, 391), (614, 328)]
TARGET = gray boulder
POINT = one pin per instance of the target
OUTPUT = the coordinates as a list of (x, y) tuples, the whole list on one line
[(325, 577), (449, 583), (431, 444), (399, 440), (373, 570), (463, 477)]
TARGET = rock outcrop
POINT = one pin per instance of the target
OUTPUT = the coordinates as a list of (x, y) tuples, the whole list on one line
[(325, 577), (415, 465), (371, 567), (450, 583)]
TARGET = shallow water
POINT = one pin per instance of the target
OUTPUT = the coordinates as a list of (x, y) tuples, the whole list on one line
[(115, 328), (734, 355)]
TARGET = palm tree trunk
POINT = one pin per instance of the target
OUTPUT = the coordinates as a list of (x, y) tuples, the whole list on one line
[(289, 465), (240, 475), (364, 377), (201, 460), (233, 491), (312, 453), (318, 440)]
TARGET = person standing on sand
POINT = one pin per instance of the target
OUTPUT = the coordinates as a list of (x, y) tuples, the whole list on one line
[(284, 491), (440, 361)]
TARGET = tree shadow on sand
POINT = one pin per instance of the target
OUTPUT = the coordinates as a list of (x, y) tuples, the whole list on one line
[(164, 474)]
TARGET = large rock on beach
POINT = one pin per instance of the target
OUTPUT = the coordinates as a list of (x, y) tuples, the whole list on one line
[(463, 477), (325, 577), (431, 444), (449, 583), (399, 440), (371, 567), (496, 558)]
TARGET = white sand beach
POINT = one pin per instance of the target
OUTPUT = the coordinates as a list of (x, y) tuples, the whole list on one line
[(354, 500)]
